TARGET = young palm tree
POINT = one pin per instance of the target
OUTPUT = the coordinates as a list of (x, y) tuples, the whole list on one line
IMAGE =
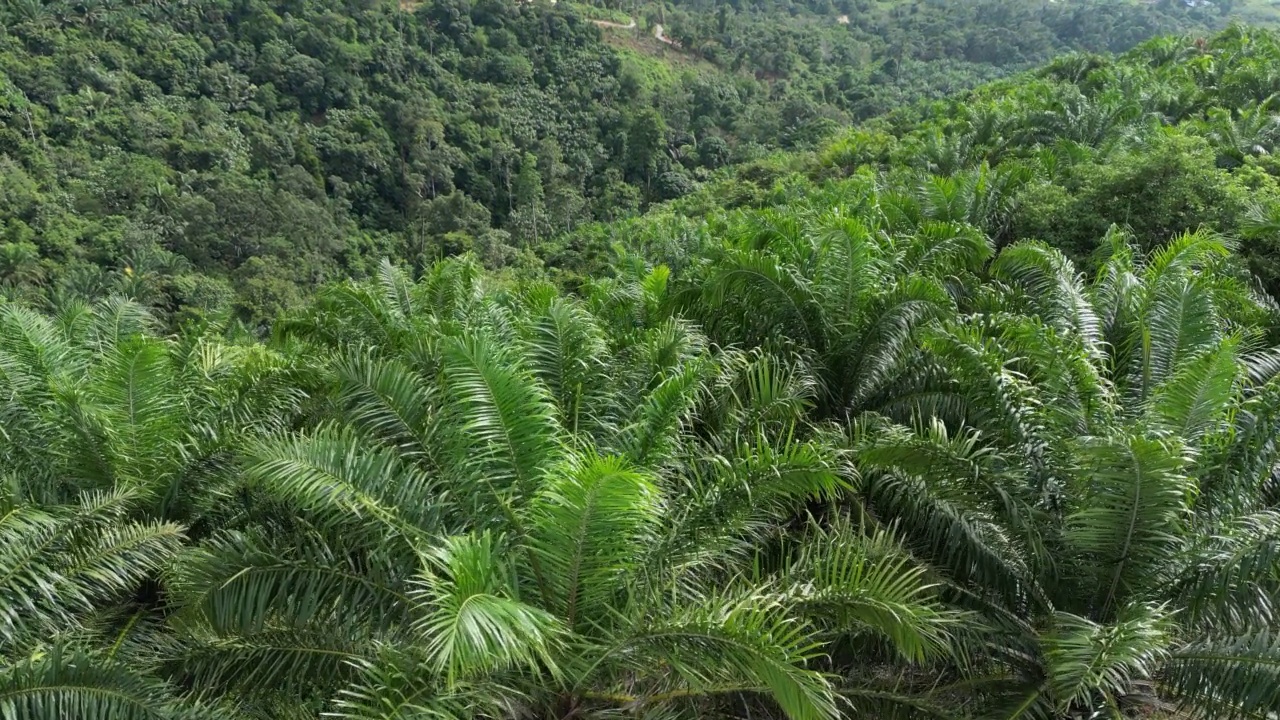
[(1104, 507), (847, 292), (525, 504), (107, 436)]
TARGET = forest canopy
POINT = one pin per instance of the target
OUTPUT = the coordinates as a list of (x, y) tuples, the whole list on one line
[(229, 156), (341, 375)]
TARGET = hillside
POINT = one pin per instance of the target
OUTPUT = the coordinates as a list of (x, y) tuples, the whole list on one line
[(1175, 136), (223, 156), (972, 413)]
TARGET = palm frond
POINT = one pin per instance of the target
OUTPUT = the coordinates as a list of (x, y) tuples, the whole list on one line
[(337, 476), (733, 645), (240, 583), (1197, 399), (142, 410), (1230, 573), (887, 343), (587, 525), (1054, 288), (504, 427), (472, 621), (568, 353), (61, 561), (1134, 503), (1227, 677), (298, 661), (389, 401), (64, 682), (849, 583), (391, 687), (1090, 665)]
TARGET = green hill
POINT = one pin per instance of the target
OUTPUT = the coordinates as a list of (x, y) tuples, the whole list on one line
[(970, 412), (232, 155), (1175, 136)]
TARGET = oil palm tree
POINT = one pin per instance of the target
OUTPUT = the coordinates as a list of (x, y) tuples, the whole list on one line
[(522, 503), (1104, 502), (109, 435)]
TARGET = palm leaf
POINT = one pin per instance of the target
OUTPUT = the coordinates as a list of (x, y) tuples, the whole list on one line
[(1135, 505), (1086, 660), (472, 621), (1227, 677), (588, 523), (733, 645), (69, 683), (504, 427)]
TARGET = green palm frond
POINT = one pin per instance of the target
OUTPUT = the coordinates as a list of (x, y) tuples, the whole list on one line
[(884, 347), (588, 524), (348, 482), (1053, 287), (567, 351), (239, 583), (60, 561), (849, 583), (941, 248), (947, 498), (1227, 677), (142, 410), (396, 287), (389, 401), (728, 502), (1186, 254), (1232, 476), (38, 345), (302, 662), (393, 687), (1001, 401), (754, 297), (348, 314), (64, 682), (655, 424), (756, 391), (503, 426), (721, 645), (1091, 665), (896, 704), (1116, 289), (1077, 397), (1134, 503), (1232, 573), (116, 319), (853, 261), (1197, 399), (1178, 322), (472, 621)]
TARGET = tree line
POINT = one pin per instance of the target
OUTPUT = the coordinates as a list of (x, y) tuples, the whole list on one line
[(229, 156)]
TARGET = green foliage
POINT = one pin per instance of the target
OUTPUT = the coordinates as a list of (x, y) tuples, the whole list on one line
[(212, 161), (854, 446)]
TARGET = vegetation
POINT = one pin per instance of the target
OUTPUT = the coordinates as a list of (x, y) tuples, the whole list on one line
[(216, 156), (853, 463), (969, 412)]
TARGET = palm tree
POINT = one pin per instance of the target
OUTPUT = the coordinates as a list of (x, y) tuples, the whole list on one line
[(1248, 132), (521, 503), (110, 437), (1105, 507), (847, 290)]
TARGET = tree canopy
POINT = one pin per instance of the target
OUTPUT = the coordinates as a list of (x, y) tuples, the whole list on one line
[(233, 155), (970, 412)]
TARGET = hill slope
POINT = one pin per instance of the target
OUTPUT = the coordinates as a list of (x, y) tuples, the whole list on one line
[(231, 155), (835, 437), (1175, 136)]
